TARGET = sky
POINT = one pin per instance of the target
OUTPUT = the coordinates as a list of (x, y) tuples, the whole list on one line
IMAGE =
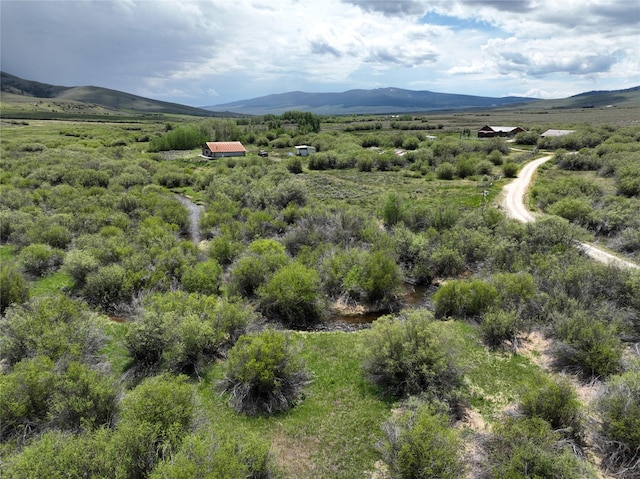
[(203, 53)]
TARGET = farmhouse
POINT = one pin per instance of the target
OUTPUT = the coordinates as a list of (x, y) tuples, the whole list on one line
[(556, 133), (221, 149), (305, 150), (493, 131)]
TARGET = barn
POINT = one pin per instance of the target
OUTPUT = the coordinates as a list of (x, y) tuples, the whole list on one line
[(501, 131), (222, 149)]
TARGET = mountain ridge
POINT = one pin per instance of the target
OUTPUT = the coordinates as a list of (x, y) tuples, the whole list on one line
[(389, 100), (378, 100)]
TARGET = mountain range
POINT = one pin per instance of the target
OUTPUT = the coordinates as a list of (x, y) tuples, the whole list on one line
[(380, 100)]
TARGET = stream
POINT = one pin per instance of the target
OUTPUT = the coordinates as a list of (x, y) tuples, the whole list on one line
[(194, 217)]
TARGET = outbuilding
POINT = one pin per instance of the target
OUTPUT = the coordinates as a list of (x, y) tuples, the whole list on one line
[(556, 133), (222, 149), (305, 150), (500, 131)]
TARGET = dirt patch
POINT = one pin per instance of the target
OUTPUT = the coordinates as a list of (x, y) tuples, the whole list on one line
[(292, 455), (537, 349)]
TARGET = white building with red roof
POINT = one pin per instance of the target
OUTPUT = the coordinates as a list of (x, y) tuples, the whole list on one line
[(222, 149)]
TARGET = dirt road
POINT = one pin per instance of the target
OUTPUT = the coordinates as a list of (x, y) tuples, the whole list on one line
[(513, 205)]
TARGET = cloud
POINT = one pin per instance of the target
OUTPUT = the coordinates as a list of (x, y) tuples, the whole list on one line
[(539, 58), (321, 47), (195, 51), (390, 7)]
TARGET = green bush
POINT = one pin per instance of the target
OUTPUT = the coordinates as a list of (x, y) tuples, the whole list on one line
[(203, 278), (521, 448), (37, 394), (208, 456), (78, 264), (365, 164), (292, 296), (154, 419), (421, 444), (108, 287), (589, 344), (445, 171), (39, 259), (464, 298), (412, 355), (392, 210), (498, 326), (52, 326), (510, 169), (264, 374), (179, 331), (376, 279), (556, 401), (58, 454), (619, 408), (13, 287), (294, 165)]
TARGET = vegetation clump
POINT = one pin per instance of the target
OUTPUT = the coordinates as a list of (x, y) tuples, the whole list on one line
[(413, 354), (264, 374)]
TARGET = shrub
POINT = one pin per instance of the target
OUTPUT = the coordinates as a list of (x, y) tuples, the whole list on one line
[(108, 287), (291, 296), (485, 167), (202, 278), (58, 454), (78, 264), (464, 298), (52, 326), (208, 456), (179, 331), (13, 287), (39, 259), (294, 165), (420, 444), (392, 211), (619, 408), (528, 448), (412, 355), (375, 278), (498, 326), (589, 344), (154, 419), (495, 157), (555, 401), (445, 171), (264, 374), (510, 169), (447, 261), (365, 164), (38, 394)]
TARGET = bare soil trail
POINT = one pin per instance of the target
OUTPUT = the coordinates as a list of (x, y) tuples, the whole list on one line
[(513, 204)]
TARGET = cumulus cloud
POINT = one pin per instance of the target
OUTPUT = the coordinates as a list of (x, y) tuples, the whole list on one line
[(390, 7), (219, 50)]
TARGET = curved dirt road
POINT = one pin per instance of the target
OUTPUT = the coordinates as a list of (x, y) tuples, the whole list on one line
[(513, 204)]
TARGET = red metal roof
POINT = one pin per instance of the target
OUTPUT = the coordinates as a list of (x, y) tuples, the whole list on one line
[(225, 146)]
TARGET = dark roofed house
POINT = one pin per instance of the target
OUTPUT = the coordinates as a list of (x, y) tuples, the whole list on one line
[(222, 149), (493, 131)]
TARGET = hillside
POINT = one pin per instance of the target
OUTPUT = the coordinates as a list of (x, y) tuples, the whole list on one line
[(626, 98), (380, 100), (92, 95)]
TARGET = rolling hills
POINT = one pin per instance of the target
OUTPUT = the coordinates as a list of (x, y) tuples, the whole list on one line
[(18, 102)]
